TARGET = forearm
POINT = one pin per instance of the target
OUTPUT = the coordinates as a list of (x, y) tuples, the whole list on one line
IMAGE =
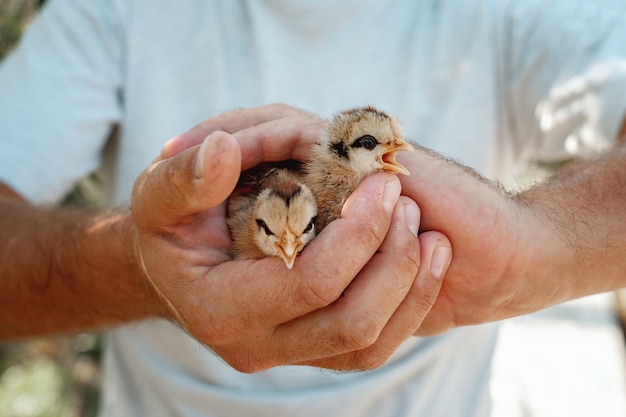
[(67, 270), (584, 207)]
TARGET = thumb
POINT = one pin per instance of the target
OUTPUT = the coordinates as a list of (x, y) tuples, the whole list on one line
[(194, 180)]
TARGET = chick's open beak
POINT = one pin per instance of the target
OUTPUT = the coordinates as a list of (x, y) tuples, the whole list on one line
[(288, 248), (388, 158)]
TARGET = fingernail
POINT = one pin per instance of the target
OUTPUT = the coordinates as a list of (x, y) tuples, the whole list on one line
[(391, 193), (412, 217), (199, 163), (442, 256)]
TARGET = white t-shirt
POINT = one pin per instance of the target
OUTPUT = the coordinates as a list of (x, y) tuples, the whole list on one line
[(493, 84)]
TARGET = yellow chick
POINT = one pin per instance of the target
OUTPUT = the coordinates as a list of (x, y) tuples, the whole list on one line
[(277, 219), (356, 143)]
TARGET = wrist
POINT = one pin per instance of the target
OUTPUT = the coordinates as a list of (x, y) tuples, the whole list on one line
[(150, 299), (72, 270), (548, 262)]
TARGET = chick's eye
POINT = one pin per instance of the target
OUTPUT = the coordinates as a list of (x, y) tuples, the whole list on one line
[(368, 142), (309, 227), (261, 223)]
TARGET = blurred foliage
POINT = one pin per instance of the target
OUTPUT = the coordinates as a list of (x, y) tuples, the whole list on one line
[(87, 192), (51, 377), (14, 17)]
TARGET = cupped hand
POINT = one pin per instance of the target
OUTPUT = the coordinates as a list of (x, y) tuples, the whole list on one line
[(356, 292)]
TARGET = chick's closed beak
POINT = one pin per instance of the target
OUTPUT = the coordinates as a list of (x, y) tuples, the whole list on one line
[(288, 248)]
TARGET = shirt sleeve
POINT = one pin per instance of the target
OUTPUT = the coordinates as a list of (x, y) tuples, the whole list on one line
[(565, 74), (60, 96)]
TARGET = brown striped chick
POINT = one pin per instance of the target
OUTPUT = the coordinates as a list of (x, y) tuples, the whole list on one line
[(356, 143), (278, 219)]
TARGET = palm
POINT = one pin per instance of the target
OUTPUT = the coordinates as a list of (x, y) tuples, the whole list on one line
[(204, 233)]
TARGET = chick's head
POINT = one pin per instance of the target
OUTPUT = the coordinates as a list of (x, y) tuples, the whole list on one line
[(367, 140), (285, 221)]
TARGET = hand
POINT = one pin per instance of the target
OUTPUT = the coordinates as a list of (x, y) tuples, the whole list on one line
[(511, 254), (355, 292)]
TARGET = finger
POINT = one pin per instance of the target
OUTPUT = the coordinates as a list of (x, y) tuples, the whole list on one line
[(408, 317), (438, 320), (359, 319), (278, 140), (195, 180), (435, 257), (230, 122), (322, 272)]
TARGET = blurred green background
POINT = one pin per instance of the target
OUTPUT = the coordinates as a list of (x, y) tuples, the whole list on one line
[(53, 377)]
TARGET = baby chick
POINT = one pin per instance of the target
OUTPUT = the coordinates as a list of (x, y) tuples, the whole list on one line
[(277, 219), (356, 143)]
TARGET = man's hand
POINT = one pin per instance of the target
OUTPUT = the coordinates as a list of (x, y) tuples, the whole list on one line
[(355, 292), (514, 255)]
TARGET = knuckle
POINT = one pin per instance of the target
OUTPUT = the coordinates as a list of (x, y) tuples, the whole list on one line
[(371, 234), (371, 359), (168, 183), (408, 261), (283, 109), (246, 357), (406, 256), (424, 302), (360, 333), (174, 181), (246, 365), (320, 289)]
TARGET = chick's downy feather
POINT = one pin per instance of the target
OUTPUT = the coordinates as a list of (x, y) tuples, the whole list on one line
[(276, 219), (286, 209), (356, 143)]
